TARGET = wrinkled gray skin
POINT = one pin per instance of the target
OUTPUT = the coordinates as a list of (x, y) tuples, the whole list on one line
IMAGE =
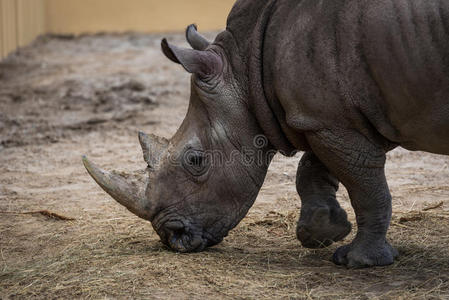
[(346, 81)]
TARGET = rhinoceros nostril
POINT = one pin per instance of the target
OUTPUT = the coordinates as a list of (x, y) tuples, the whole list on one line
[(174, 226), (175, 231)]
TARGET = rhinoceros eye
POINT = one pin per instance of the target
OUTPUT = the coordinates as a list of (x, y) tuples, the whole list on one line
[(195, 162)]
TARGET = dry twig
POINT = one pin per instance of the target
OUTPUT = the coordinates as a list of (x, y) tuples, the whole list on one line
[(435, 206), (45, 213)]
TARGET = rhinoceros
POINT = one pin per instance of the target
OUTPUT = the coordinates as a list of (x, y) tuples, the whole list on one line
[(345, 81)]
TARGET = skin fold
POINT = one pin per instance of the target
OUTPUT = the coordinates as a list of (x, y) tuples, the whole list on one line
[(345, 81)]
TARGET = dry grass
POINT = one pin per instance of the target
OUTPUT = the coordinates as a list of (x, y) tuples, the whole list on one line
[(122, 257)]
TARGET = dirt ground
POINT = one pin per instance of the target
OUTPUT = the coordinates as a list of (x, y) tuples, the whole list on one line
[(63, 97)]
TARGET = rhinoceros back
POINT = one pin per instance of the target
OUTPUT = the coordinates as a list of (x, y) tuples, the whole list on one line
[(379, 66)]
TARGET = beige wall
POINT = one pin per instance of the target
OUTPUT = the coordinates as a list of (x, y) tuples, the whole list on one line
[(79, 16), (22, 20)]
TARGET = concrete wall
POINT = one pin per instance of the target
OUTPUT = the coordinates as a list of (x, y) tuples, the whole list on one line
[(22, 20), (79, 16)]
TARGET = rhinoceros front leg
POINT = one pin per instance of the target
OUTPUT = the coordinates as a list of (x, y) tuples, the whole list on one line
[(359, 164), (322, 220)]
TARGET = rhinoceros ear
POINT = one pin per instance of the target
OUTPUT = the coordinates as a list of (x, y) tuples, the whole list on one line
[(196, 40), (202, 63)]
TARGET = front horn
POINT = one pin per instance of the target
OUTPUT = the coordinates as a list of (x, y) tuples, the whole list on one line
[(126, 191)]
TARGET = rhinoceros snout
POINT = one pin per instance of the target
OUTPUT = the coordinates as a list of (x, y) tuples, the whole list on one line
[(181, 238)]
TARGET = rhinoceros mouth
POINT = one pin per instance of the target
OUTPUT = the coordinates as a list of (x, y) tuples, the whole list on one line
[(183, 238), (181, 235)]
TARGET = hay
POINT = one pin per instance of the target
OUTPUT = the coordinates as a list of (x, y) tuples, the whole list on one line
[(122, 257)]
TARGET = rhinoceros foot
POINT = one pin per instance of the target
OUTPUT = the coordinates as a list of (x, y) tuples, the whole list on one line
[(321, 226), (365, 254)]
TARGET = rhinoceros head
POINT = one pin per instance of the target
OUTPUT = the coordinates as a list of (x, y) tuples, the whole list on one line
[(203, 180)]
